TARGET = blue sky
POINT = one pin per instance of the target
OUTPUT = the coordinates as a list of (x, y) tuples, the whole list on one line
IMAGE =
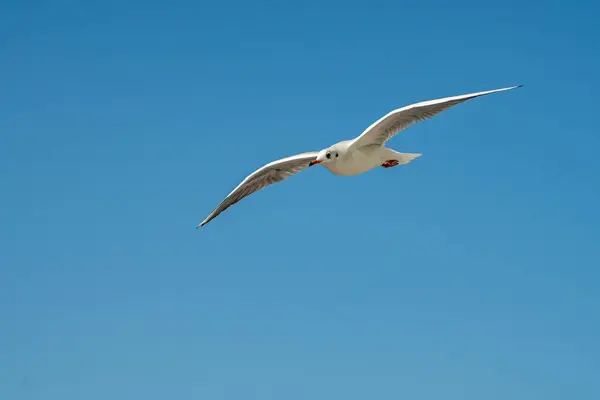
[(471, 273)]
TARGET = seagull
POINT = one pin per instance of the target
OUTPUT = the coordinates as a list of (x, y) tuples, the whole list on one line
[(349, 157)]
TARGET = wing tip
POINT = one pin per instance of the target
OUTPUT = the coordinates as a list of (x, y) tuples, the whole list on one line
[(497, 90), (513, 87), (507, 88)]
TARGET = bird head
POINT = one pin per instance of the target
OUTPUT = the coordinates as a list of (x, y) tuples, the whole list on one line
[(325, 156)]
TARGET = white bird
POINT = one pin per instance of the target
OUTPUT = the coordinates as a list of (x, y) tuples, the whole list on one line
[(349, 157)]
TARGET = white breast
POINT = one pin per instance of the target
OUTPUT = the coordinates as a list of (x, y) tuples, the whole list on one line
[(356, 162)]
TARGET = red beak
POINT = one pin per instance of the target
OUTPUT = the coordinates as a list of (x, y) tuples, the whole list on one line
[(313, 162)]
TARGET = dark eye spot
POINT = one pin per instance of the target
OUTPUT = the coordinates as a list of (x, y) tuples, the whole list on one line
[(337, 155), (328, 155)]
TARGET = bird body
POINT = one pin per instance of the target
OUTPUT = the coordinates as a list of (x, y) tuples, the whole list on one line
[(352, 162), (349, 157)]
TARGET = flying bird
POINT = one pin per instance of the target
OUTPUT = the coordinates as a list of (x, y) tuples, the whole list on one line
[(349, 157)]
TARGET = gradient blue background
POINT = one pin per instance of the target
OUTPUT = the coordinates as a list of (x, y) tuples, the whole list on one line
[(472, 273)]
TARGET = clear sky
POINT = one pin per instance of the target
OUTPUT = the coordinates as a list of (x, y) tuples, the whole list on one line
[(470, 274)]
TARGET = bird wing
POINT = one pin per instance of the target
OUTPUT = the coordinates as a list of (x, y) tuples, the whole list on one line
[(393, 122), (273, 172)]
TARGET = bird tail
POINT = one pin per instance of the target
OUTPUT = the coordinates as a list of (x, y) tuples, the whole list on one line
[(403, 158)]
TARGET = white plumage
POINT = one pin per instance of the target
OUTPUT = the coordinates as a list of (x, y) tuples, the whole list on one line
[(349, 157)]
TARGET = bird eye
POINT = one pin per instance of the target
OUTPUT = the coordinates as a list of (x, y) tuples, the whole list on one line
[(328, 155), (337, 155)]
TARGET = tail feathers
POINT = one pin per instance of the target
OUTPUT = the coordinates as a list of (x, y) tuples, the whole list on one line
[(405, 158)]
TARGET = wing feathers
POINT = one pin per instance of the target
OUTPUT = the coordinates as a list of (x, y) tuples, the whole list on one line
[(390, 124), (273, 172)]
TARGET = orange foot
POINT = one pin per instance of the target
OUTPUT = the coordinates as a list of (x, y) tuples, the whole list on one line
[(390, 163)]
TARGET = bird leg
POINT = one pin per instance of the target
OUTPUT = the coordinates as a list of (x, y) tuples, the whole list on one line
[(390, 163)]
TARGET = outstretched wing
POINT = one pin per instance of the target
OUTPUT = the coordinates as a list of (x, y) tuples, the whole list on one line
[(273, 172), (390, 124)]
